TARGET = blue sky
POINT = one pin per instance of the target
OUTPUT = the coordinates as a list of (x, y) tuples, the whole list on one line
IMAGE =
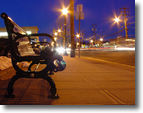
[(44, 14)]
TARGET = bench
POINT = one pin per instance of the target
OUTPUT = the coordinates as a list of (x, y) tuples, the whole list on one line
[(21, 50)]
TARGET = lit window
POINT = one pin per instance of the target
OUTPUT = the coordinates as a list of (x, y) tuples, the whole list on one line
[(28, 32), (3, 34)]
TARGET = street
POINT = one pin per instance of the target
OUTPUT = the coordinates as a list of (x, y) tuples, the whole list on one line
[(123, 57)]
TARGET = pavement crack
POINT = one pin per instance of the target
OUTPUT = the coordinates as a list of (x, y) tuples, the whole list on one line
[(23, 91), (87, 78), (113, 98)]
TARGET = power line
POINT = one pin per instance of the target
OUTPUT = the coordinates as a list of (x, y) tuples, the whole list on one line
[(114, 33)]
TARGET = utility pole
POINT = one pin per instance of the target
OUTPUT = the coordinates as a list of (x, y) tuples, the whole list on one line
[(72, 54), (125, 14), (65, 29), (94, 29)]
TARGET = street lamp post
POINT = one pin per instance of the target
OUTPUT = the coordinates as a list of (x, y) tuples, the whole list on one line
[(65, 11)]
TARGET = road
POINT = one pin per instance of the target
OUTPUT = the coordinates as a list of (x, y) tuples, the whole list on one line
[(123, 57)]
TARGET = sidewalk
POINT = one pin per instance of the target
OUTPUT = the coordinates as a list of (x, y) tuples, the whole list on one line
[(5, 63), (83, 82)]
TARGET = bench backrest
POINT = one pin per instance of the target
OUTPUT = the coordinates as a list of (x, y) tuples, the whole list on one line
[(19, 42)]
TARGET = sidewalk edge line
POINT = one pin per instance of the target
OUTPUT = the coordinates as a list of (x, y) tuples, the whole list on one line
[(109, 62)]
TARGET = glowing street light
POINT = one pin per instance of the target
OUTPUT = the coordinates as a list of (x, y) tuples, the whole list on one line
[(56, 33), (77, 35), (101, 39), (55, 39), (52, 43), (59, 30), (91, 41), (117, 20), (65, 11), (69, 45)]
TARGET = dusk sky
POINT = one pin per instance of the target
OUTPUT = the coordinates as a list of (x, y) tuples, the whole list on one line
[(45, 13)]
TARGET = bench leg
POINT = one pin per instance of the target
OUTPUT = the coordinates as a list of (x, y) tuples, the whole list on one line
[(53, 89), (10, 89)]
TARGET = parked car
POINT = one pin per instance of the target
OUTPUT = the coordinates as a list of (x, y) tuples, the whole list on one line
[(5, 47)]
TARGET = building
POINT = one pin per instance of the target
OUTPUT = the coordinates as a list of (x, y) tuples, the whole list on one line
[(28, 29), (122, 41)]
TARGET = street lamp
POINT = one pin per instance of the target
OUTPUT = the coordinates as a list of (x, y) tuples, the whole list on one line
[(59, 34), (101, 39), (52, 44), (77, 35), (116, 20), (77, 43), (65, 11), (69, 45), (59, 30), (56, 33), (55, 39), (91, 41)]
